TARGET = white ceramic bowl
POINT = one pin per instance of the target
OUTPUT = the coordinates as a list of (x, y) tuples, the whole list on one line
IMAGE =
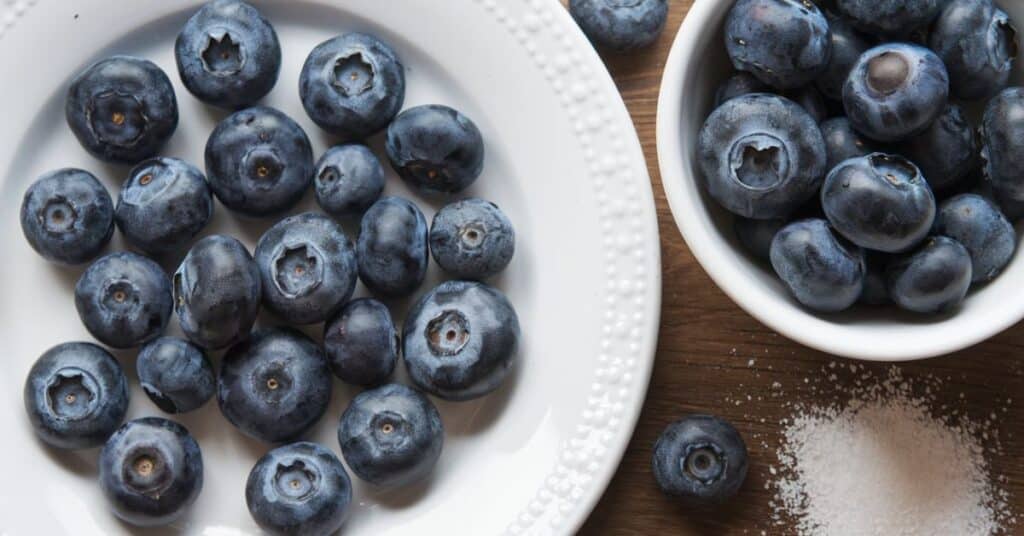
[(696, 65)]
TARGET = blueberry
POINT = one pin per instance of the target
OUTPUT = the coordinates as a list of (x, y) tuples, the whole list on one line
[(122, 109), (980, 227), (620, 24), (259, 161), (300, 488), (820, 269), (435, 148), (275, 385), (217, 292), (349, 179), (175, 374), (978, 43), (352, 85), (889, 18), (472, 239), (392, 247), (228, 54), (895, 91), (875, 291), (756, 235), (67, 216), (700, 458), (361, 343), (811, 100), (762, 156), (76, 395), (461, 340), (842, 142), (847, 46), (739, 83), (124, 299), (785, 43), (151, 471), (934, 278), (946, 152), (308, 267), (163, 205), (1002, 136), (391, 435)]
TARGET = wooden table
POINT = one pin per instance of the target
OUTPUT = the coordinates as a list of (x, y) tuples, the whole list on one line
[(704, 365)]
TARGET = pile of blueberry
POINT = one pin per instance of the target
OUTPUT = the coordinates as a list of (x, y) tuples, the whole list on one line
[(459, 341), (844, 147)]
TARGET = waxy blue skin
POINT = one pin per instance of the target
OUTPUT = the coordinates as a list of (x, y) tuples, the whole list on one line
[(823, 272), (978, 43), (259, 162), (620, 25), (228, 54), (946, 152), (980, 227), (217, 292), (842, 142), (700, 458), (75, 395), (352, 85), (175, 374), (67, 216), (472, 239), (361, 343), (931, 279), (435, 149), (275, 385), (461, 340), (785, 43), (741, 83), (391, 251), (122, 109), (163, 205), (875, 291), (1002, 136), (889, 18), (847, 46), (300, 488), (756, 235), (151, 471), (391, 436), (348, 180), (124, 299), (307, 267)]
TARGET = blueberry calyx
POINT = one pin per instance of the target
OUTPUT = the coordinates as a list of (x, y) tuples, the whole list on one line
[(263, 167), (223, 55), (296, 480), (117, 118), (447, 333), (297, 270), (71, 393), (703, 462), (57, 216), (887, 73), (895, 169), (759, 161), (147, 473), (353, 75)]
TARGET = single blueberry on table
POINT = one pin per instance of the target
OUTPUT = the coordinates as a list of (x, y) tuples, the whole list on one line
[(889, 18), (435, 149), (875, 291), (75, 395), (978, 43), (348, 180), (1002, 137), (785, 43), (472, 239), (847, 46), (163, 205), (620, 25), (124, 299), (391, 251), (842, 142), (946, 152), (361, 343), (700, 458), (931, 279), (67, 216), (175, 374), (756, 235), (823, 271), (980, 227)]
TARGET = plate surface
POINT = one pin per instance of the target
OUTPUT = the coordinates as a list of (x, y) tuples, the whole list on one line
[(562, 160)]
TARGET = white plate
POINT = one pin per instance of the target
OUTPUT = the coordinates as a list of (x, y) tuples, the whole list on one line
[(563, 161)]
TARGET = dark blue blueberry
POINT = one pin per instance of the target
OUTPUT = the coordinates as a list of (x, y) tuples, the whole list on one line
[(361, 343), (823, 271), (889, 18), (740, 83), (946, 152), (756, 235), (76, 395), (175, 374), (895, 91), (934, 278), (700, 458), (842, 142), (1002, 137), (472, 239), (275, 385), (392, 247), (978, 43), (228, 54), (391, 435), (762, 156), (349, 178), (163, 205), (785, 43), (435, 148), (300, 488), (875, 291), (259, 161), (151, 471), (980, 227), (122, 109), (352, 85), (811, 100), (67, 216), (217, 292), (308, 268), (847, 46), (124, 299), (460, 341), (620, 25)]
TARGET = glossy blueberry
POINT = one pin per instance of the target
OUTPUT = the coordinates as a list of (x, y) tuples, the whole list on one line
[(392, 247), (274, 385), (259, 161), (122, 109), (620, 24), (352, 85), (875, 291), (391, 436), (435, 148), (978, 43), (175, 374), (472, 239), (1002, 136), (307, 266), (163, 205), (946, 152), (361, 343), (124, 299), (762, 156), (785, 43), (67, 216), (847, 46), (739, 83), (756, 235), (980, 227), (889, 18), (933, 278), (820, 269), (300, 488), (217, 292), (700, 458), (76, 395), (228, 54), (895, 91), (151, 471), (348, 180), (842, 142)]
